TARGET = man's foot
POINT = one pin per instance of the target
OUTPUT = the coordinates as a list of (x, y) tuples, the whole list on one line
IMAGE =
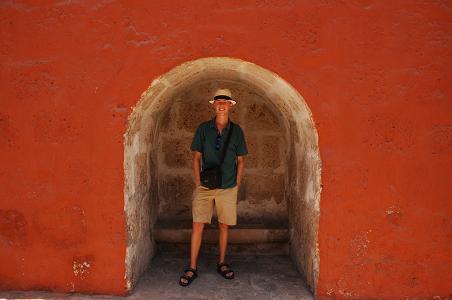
[(188, 277), (225, 270)]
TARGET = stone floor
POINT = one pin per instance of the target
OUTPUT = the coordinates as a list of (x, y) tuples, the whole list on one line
[(256, 277)]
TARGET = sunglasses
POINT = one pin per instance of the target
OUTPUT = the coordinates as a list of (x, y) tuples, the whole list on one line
[(217, 142)]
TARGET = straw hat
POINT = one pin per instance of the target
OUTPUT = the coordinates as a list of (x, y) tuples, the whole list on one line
[(223, 94)]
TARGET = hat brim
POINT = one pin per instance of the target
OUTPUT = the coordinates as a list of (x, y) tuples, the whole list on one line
[(232, 101)]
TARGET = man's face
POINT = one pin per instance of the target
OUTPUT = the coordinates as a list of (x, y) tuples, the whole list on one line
[(222, 107)]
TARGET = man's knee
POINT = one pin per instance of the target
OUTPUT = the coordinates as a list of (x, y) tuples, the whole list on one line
[(198, 226), (223, 226)]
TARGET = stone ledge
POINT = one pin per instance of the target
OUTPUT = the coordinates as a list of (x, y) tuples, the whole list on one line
[(237, 235), (233, 249)]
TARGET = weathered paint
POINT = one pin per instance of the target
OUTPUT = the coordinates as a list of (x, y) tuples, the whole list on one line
[(375, 75)]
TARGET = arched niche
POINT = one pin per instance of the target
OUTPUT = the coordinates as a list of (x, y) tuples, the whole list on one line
[(142, 145)]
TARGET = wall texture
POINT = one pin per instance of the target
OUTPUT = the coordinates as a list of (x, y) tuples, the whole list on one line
[(374, 74)]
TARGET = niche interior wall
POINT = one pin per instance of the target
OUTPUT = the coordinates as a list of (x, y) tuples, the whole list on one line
[(267, 94), (261, 198)]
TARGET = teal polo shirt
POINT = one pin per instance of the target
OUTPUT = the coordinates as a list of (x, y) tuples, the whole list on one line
[(204, 141)]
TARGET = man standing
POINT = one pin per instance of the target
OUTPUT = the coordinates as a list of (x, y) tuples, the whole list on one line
[(208, 146)]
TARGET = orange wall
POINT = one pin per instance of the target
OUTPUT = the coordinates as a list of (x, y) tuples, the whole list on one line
[(374, 73)]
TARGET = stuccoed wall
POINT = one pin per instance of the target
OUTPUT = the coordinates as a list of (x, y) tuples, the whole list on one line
[(375, 75)]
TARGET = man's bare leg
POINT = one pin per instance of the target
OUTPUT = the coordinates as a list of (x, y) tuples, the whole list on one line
[(223, 240), (196, 238)]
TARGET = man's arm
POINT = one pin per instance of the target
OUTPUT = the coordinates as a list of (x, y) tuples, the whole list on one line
[(197, 167), (240, 165)]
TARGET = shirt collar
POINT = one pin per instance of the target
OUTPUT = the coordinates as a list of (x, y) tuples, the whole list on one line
[(214, 125)]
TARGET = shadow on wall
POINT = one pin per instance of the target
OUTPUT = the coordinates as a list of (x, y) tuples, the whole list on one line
[(282, 170)]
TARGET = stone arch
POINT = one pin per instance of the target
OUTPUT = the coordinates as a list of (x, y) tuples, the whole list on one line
[(303, 179)]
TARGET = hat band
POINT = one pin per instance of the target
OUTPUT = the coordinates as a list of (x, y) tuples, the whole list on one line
[(222, 97)]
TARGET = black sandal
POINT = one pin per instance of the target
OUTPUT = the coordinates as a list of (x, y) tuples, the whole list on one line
[(226, 271), (188, 278)]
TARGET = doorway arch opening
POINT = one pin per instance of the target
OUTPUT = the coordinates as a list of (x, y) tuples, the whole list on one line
[(282, 170)]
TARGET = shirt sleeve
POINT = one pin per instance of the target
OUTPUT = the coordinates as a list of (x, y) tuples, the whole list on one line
[(196, 144), (241, 144)]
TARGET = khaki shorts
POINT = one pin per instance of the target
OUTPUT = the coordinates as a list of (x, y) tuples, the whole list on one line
[(225, 202)]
